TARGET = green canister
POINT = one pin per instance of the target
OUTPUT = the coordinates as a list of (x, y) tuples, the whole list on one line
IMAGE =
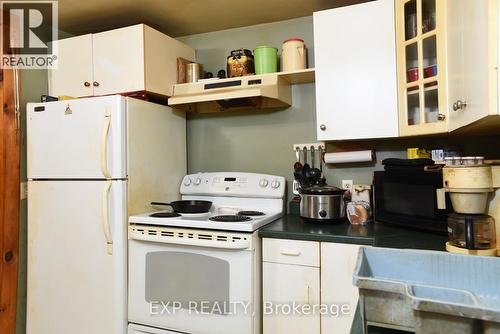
[(266, 59)]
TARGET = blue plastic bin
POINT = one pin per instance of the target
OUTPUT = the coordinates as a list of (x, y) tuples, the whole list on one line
[(428, 291)]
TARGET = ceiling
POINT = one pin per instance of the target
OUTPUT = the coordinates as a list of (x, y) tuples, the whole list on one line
[(183, 17)]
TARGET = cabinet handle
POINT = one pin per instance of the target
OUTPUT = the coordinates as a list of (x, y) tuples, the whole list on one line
[(322, 127), (96, 84), (86, 84), (290, 253), (441, 117), (459, 105)]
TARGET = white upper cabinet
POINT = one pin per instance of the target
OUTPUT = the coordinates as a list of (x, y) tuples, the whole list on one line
[(119, 60), (356, 72), (74, 68), (131, 59), (472, 61)]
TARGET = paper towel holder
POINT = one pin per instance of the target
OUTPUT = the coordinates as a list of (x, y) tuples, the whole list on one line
[(350, 157)]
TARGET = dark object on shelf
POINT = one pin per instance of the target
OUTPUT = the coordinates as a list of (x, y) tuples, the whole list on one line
[(208, 75), (221, 74), (48, 98), (407, 165)]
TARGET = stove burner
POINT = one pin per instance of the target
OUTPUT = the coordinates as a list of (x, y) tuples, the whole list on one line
[(251, 213), (230, 218), (164, 215)]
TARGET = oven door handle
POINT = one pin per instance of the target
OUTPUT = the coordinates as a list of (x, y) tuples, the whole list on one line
[(236, 245)]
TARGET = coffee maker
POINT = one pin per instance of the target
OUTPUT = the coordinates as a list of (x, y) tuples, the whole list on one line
[(473, 187)]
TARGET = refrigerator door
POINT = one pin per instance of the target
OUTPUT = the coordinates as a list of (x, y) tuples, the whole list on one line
[(77, 257), (77, 139)]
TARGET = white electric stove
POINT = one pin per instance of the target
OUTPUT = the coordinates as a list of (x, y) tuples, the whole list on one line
[(240, 202), (201, 273)]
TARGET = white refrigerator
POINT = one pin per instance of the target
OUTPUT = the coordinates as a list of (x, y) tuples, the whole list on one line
[(91, 163)]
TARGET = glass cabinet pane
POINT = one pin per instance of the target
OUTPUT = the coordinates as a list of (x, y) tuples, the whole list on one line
[(413, 105), (428, 15), (411, 19), (431, 102), (429, 52), (411, 62)]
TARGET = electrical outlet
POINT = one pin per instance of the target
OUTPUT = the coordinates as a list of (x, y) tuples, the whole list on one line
[(347, 184), (24, 190)]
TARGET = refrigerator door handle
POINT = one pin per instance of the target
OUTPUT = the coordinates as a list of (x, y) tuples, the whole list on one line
[(105, 217), (104, 144)]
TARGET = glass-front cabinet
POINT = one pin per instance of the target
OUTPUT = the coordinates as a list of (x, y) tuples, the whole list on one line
[(421, 66)]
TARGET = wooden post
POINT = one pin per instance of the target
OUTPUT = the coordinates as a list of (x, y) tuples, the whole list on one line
[(9, 202)]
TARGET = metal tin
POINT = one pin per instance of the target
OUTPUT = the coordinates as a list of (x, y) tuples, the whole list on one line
[(193, 72)]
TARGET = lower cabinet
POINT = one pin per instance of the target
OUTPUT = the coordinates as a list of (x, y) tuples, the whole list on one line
[(307, 287), (338, 262), (285, 285)]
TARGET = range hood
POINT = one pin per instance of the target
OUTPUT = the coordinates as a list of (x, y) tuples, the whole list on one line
[(248, 92)]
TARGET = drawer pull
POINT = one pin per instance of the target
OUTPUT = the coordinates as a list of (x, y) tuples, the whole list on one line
[(289, 253)]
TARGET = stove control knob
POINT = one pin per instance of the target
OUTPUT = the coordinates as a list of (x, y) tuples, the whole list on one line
[(197, 181), (263, 183), (187, 182), (275, 184), (322, 213)]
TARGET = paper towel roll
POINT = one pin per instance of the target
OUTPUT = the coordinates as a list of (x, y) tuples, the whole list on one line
[(349, 157)]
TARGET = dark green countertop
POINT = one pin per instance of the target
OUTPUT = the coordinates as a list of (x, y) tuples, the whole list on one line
[(374, 234)]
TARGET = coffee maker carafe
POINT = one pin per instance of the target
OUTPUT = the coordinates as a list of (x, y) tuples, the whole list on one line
[(473, 226)]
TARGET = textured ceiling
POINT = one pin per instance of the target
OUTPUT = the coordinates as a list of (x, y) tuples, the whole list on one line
[(183, 17)]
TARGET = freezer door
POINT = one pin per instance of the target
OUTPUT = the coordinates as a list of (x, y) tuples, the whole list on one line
[(76, 274), (77, 139)]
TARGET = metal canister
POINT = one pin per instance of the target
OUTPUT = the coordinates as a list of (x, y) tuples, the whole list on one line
[(293, 56), (193, 72)]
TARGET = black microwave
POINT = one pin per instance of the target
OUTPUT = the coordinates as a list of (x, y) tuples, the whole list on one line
[(408, 198)]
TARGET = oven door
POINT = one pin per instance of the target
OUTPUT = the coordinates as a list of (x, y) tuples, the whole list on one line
[(189, 286)]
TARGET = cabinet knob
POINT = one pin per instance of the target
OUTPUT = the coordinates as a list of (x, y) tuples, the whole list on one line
[(322, 127), (459, 105), (86, 84), (441, 117), (96, 84)]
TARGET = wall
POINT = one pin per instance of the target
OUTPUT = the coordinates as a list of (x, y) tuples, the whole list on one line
[(261, 141)]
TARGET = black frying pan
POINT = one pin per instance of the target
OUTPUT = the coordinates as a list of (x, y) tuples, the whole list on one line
[(190, 206)]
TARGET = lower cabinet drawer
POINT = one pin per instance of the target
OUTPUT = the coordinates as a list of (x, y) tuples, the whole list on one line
[(299, 252)]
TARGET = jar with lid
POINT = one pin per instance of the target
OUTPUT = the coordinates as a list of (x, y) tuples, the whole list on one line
[(294, 55)]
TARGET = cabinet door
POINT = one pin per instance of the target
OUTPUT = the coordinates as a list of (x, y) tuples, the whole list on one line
[(119, 60), (284, 284), (472, 65), (356, 82), (73, 75), (337, 267)]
